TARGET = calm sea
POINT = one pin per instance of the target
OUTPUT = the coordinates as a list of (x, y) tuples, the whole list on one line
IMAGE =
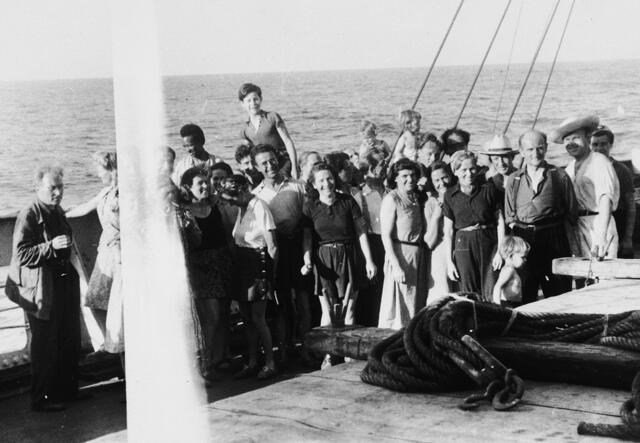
[(64, 121)]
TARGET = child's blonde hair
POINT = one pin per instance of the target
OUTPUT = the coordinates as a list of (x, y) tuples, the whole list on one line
[(512, 244), (407, 116), (368, 128)]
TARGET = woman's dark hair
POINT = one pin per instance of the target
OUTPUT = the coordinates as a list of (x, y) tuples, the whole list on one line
[(238, 180), (431, 137), (193, 130), (190, 174), (338, 161), (242, 151), (262, 148), (464, 135), (313, 193), (401, 165), (223, 167), (437, 165), (248, 88)]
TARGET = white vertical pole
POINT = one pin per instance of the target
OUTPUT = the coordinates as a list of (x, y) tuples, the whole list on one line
[(165, 396)]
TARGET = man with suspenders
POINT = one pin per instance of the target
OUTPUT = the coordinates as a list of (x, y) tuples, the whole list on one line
[(539, 202)]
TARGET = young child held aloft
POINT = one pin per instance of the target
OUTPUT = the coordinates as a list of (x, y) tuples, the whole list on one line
[(370, 142), (410, 140), (508, 289)]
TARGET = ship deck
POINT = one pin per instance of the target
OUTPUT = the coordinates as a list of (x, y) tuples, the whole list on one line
[(334, 405)]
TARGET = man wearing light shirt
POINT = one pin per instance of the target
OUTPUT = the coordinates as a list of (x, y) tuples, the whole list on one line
[(596, 186)]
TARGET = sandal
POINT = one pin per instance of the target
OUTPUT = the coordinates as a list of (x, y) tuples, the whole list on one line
[(246, 372), (267, 372)]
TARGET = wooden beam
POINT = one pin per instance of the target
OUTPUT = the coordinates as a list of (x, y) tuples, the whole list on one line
[(606, 269), (578, 363)]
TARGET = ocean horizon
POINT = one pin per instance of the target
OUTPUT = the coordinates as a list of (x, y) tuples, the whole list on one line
[(63, 121)]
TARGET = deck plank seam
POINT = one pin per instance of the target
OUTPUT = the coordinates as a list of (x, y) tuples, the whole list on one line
[(300, 422)]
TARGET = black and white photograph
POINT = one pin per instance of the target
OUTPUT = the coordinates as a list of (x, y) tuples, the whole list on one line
[(320, 221)]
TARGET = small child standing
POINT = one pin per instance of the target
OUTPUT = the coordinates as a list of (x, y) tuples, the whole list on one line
[(508, 289), (410, 140)]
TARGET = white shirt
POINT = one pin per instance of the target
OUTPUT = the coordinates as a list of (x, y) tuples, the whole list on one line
[(286, 209), (251, 226), (594, 179)]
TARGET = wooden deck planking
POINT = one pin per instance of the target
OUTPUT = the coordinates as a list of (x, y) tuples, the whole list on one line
[(606, 297), (334, 405)]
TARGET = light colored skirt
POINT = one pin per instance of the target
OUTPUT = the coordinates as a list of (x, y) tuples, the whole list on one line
[(401, 301)]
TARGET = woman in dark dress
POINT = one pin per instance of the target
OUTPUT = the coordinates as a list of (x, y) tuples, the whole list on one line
[(209, 267), (333, 225)]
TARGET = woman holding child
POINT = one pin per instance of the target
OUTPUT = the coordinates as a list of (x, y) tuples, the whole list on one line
[(402, 223)]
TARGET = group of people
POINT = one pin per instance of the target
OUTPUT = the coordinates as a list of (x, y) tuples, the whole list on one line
[(376, 233)]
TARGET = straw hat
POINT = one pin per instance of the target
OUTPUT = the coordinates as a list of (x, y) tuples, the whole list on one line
[(499, 145), (572, 124)]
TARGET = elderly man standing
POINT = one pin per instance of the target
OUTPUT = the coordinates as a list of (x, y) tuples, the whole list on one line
[(539, 202), (596, 186), (44, 283)]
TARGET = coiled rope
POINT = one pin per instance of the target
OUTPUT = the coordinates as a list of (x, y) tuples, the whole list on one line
[(425, 355)]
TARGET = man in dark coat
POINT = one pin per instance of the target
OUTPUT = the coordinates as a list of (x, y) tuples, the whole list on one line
[(44, 283)]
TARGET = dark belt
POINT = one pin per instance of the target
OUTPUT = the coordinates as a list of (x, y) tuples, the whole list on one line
[(410, 243), (585, 212), (539, 225)]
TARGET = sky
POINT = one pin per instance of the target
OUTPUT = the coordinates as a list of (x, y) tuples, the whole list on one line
[(41, 39)]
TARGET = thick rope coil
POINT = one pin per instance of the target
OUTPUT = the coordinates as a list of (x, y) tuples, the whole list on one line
[(420, 358)]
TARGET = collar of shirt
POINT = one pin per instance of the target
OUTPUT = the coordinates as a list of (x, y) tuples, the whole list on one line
[(262, 185), (456, 189)]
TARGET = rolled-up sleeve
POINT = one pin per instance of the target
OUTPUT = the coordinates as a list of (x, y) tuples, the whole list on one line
[(605, 181)]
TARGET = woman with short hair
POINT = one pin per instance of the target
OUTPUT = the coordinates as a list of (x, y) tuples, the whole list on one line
[(405, 286), (208, 265)]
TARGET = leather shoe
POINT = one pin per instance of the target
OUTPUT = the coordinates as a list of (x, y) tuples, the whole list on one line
[(48, 406)]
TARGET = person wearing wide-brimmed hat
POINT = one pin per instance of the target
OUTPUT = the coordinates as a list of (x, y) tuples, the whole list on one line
[(539, 203), (596, 186), (500, 152)]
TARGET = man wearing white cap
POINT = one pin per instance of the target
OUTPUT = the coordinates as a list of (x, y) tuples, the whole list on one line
[(500, 153), (596, 186)]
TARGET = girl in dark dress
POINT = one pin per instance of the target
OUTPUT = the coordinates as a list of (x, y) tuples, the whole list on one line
[(333, 224), (208, 265)]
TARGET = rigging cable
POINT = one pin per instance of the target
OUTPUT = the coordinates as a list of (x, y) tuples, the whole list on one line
[(426, 79), (433, 63), (533, 62), (506, 74), (484, 59), (553, 64)]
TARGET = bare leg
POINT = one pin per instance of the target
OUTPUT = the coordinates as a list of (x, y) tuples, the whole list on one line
[(100, 315), (325, 320), (252, 333), (350, 310), (258, 309)]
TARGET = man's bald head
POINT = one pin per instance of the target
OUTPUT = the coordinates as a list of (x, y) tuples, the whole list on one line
[(533, 147), (534, 137)]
